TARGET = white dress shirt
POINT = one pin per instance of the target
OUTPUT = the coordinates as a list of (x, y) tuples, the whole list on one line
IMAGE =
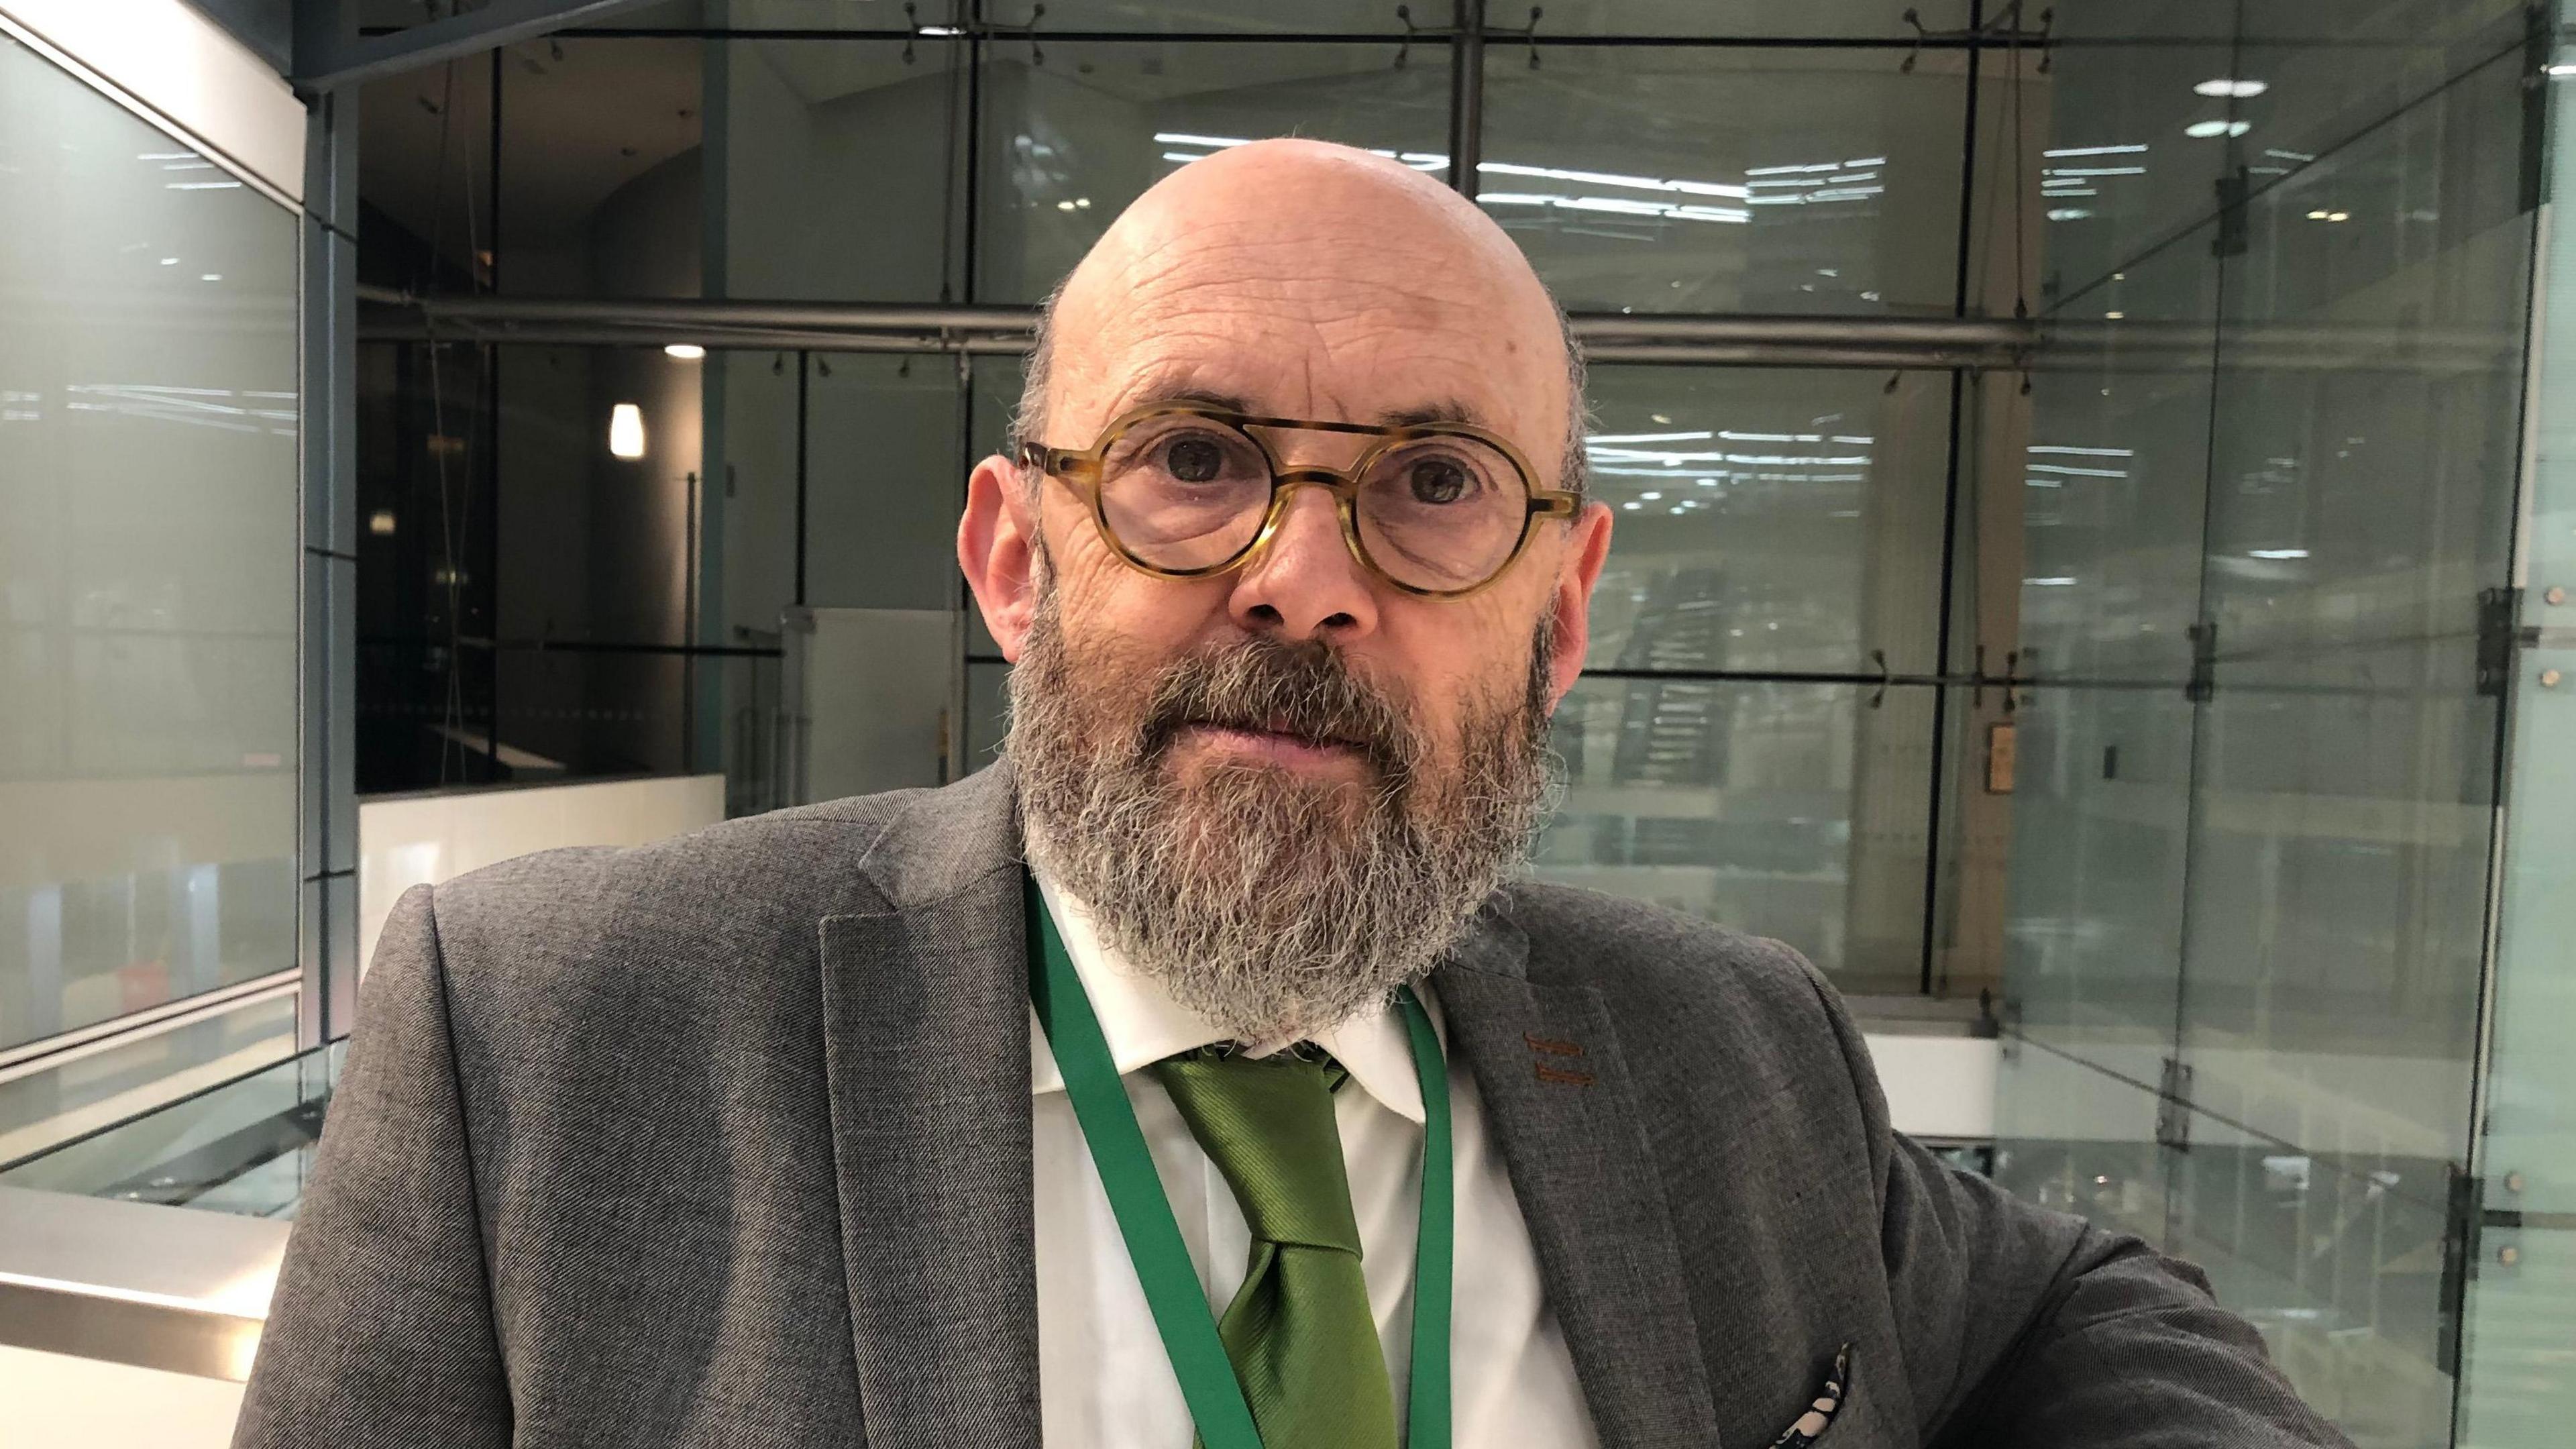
[(1104, 1381)]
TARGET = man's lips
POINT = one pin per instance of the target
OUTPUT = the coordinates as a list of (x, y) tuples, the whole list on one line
[(1281, 746)]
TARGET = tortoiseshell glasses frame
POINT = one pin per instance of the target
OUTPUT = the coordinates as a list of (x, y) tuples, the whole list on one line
[(1084, 470)]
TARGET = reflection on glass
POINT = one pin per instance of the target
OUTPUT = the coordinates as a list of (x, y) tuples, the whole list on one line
[(2093, 935), (883, 482), (1763, 180), (1794, 811), (2344, 801), (244, 1146), (1767, 520), (2337, 1256), (1069, 143), (148, 559), (54, 1105)]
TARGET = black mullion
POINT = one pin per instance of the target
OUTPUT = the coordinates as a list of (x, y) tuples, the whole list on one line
[(804, 372), (1950, 517), (1353, 37), (1467, 96), (971, 162), (492, 410)]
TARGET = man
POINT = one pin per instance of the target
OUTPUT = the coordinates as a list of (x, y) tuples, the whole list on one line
[(1323, 1131)]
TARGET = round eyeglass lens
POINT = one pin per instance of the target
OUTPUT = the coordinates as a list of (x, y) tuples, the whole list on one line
[(1442, 513), (1182, 493)]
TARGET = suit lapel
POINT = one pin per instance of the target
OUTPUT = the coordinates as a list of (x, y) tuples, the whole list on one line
[(926, 1045), (1566, 1117)]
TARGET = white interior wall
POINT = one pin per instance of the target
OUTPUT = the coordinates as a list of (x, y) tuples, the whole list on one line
[(410, 840)]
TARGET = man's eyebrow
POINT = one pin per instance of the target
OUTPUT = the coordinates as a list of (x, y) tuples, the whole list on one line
[(1153, 390), (1443, 410)]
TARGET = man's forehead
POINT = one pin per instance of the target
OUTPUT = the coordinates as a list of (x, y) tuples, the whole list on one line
[(1183, 380)]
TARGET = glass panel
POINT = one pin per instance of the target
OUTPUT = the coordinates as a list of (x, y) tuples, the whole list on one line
[(138, 1074), (2112, 492), (1768, 520), (1677, 179), (2359, 506), (148, 565), (244, 1147), (1308, 17), (2093, 935), (575, 713), (1069, 143), (883, 482), (602, 177), (605, 182), (427, 506), (2337, 1254), (1796, 811), (1767, 19), (2516, 1392), (2079, 1139), (425, 178), (838, 178), (2521, 1292), (988, 712), (2128, 152)]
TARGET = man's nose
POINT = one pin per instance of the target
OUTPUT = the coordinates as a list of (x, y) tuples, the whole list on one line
[(1305, 585)]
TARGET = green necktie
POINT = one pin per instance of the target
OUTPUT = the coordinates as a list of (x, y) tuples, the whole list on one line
[(1300, 1334)]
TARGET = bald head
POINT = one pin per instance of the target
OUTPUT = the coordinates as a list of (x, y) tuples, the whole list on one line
[(1307, 279)]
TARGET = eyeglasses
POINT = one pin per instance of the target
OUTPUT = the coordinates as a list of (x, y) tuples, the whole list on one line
[(1182, 491)]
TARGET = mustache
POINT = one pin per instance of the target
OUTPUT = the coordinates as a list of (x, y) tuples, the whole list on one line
[(1302, 689)]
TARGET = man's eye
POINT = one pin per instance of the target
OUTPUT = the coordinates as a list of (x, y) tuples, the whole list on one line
[(1194, 460), (1437, 480)]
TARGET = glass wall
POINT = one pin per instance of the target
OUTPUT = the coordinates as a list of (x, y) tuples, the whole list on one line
[(1767, 718), (148, 566), (2521, 1256), (2268, 497)]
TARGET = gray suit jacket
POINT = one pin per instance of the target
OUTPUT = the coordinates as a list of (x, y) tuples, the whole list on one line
[(727, 1141)]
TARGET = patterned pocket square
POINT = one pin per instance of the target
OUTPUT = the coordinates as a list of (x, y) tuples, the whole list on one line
[(1811, 1425)]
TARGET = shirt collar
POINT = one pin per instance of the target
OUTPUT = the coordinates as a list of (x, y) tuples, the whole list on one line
[(1143, 1024)]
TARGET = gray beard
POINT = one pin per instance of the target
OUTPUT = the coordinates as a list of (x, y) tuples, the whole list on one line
[(1273, 905)]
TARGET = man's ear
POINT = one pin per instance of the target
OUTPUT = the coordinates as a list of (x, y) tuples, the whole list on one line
[(997, 545), (1572, 618)]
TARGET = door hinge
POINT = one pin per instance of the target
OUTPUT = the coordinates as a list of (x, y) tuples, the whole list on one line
[(2173, 1110), (2499, 634)]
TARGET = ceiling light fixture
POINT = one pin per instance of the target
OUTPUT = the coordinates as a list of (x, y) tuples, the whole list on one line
[(2227, 88), (685, 351), (2204, 130)]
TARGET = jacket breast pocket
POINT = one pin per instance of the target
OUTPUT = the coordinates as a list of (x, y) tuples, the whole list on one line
[(1826, 1407)]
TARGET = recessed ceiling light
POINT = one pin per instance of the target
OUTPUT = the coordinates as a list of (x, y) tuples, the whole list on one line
[(2203, 130), (685, 351), (2229, 88), (2115, 316)]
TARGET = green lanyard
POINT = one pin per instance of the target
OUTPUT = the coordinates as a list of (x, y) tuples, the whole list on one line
[(1154, 1239)]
